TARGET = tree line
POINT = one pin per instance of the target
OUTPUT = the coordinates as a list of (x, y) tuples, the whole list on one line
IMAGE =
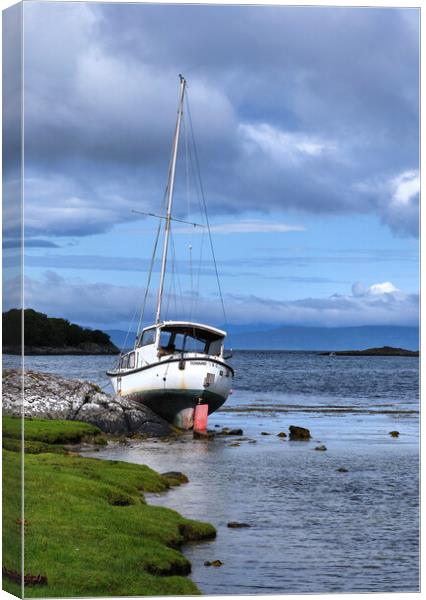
[(41, 330)]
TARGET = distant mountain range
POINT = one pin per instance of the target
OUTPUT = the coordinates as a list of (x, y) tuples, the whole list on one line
[(259, 337)]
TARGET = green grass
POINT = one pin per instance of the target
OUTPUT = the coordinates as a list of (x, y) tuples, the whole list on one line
[(49, 431), (89, 530)]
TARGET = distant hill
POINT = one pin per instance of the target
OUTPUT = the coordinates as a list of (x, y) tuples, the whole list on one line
[(384, 351), (306, 338), (327, 338), (48, 335), (118, 337)]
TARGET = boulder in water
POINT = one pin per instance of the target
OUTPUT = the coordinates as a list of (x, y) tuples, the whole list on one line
[(213, 563), (299, 433)]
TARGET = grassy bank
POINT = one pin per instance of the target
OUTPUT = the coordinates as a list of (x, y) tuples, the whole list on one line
[(88, 529)]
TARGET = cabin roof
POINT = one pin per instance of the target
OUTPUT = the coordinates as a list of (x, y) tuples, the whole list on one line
[(189, 324)]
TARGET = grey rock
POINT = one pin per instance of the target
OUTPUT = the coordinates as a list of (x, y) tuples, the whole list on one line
[(203, 435), (175, 477), (227, 431), (321, 448), (52, 397)]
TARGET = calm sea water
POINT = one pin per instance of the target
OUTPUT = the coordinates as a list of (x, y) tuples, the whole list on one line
[(313, 529)]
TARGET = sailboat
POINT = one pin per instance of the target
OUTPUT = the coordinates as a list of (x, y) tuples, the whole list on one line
[(178, 369)]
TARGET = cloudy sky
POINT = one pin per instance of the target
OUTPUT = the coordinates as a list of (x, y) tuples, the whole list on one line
[(306, 124)]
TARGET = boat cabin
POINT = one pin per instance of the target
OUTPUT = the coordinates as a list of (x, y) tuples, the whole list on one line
[(174, 338)]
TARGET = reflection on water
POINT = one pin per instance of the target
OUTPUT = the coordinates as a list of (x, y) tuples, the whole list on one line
[(313, 528)]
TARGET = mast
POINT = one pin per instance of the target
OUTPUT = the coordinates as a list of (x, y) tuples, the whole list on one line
[(170, 188)]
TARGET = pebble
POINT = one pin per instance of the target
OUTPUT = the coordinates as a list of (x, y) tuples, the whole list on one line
[(227, 431), (213, 563)]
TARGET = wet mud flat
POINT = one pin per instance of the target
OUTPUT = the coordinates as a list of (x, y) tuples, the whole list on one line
[(341, 519)]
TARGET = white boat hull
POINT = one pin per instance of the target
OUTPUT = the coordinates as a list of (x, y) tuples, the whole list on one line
[(173, 387)]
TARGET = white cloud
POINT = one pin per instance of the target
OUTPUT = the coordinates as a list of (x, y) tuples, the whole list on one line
[(246, 226), (283, 146), (382, 288), (397, 200), (112, 306), (376, 289), (406, 187)]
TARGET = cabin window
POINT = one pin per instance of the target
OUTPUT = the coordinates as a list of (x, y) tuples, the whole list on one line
[(123, 362), (179, 342), (148, 337), (167, 342), (183, 339), (215, 347), (194, 344), (131, 361)]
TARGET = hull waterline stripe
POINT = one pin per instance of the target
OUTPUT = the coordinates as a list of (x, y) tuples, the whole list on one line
[(165, 362)]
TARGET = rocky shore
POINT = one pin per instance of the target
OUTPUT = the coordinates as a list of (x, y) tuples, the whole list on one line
[(83, 349), (52, 397)]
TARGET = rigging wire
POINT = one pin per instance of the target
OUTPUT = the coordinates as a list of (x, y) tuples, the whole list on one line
[(197, 287), (151, 268), (188, 200), (205, 208), (124, 345), (177, 275), (192, 283), (192, 174), (192, 168)]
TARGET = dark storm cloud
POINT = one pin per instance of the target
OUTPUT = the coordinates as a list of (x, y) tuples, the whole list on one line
[(12, 89), (309, 109)]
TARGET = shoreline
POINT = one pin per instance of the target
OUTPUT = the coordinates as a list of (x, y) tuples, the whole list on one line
[(76, 497), (281, 487), (60, 351), (278, 486)]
